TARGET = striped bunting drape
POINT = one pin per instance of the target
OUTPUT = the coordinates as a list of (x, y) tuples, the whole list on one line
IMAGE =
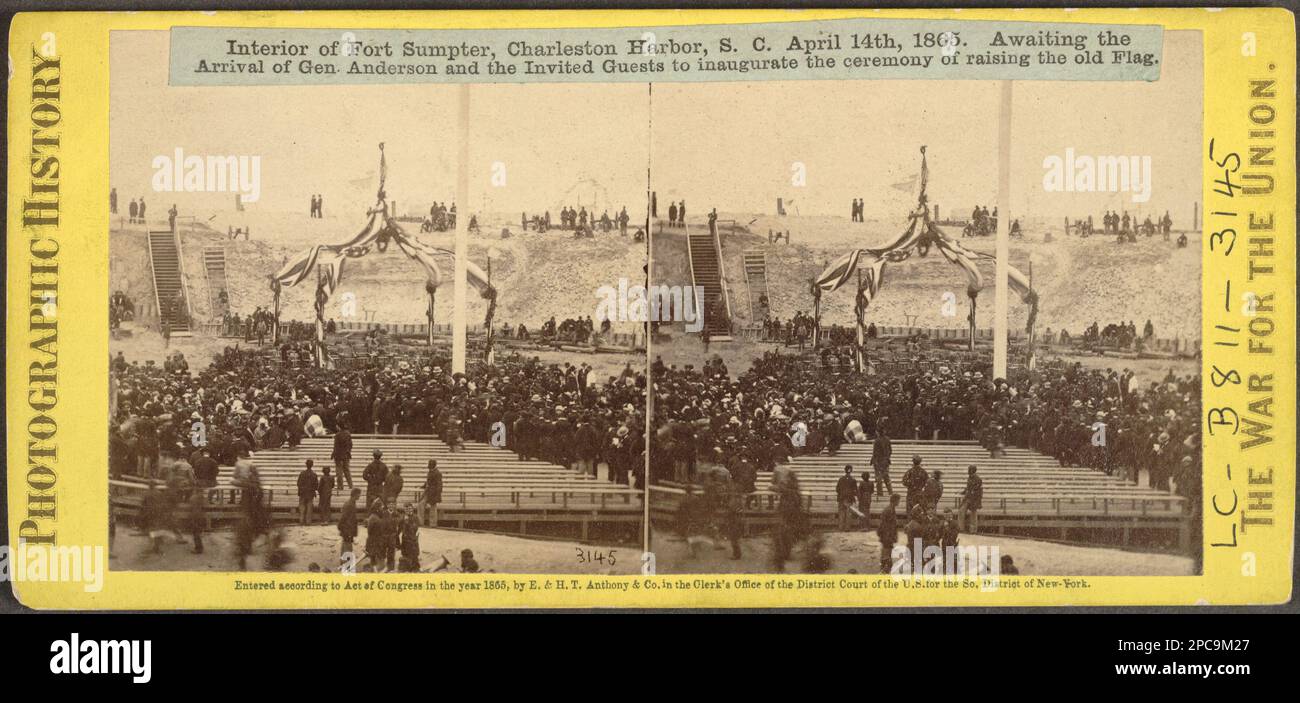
[(839, 272), (330, 257)]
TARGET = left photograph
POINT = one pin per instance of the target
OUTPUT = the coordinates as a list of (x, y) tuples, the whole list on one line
[(297, 382)]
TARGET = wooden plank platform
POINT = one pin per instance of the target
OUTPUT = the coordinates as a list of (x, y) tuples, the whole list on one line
[(1023, 491)]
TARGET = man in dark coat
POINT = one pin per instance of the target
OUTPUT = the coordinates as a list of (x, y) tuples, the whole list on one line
[(375, 539), (325, 491), (348, 522), (342, 455), (887, 531), (410, 543), (914, 481), (865, 489), (198, 517), (972, 501), (375, 474), (846, 494), (933, 491), (393, 485), (392, 532), (432, 494), (205, 470), (881, 452), (308, 482)]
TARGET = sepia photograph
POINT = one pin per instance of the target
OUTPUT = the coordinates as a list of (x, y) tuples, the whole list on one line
[(296, 382), (440, 311), (845, 404)]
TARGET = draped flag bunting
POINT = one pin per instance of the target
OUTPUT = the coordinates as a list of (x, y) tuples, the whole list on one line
[(871, 280), (838, 273), (921, 234), (376, 235)]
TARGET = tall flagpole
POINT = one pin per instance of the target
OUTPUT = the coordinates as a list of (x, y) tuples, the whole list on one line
[(1003, 250), (458, 331), (646, 536)]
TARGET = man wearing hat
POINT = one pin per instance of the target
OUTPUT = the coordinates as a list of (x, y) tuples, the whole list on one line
[(887, 531), (393, 484), (432, 494), (914, 481), (342, 455), (972, 499), (881, 451), (348, 522), (375, 474), (846, 493), (308, 482)]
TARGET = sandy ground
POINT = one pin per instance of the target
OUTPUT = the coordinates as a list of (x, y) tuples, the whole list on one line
[(146, 345), (319, 545), (859, 552), (1144, 370), (1080, 281)]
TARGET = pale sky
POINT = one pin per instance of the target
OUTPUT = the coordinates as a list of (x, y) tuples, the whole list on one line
[(734, 146), (557, 143)]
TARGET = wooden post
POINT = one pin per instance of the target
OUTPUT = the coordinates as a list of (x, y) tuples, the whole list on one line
[(275, 322), (1003, 243), (817, 317), (320, 319), (859, 355), (458, 330), (971, 334), (1032, 362), (487, 350), (433, 294)]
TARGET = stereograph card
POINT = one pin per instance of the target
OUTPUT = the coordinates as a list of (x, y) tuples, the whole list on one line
[(562, 309)]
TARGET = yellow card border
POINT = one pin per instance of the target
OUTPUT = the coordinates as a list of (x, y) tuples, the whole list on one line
[(82, 256)]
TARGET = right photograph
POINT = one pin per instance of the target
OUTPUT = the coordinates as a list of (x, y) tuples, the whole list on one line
[(927, 326)]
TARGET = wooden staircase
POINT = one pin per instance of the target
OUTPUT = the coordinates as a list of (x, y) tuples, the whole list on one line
[(706, 274), (214, 264), (756, 280), (1025, 493), (484, 488), (165, 260)]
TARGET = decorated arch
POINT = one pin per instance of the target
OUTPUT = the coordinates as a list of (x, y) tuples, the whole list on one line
[(921, 235), (380, 232)]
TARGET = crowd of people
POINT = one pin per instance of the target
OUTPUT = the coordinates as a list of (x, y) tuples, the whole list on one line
[(553, 412), (982, 222), (240, 404), (796, 330), (1120, 335), (121, 308), (574, 330), (1126, 228), (580, 222), (441, 218), (258, 325), (721, 432), (135, 210)]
